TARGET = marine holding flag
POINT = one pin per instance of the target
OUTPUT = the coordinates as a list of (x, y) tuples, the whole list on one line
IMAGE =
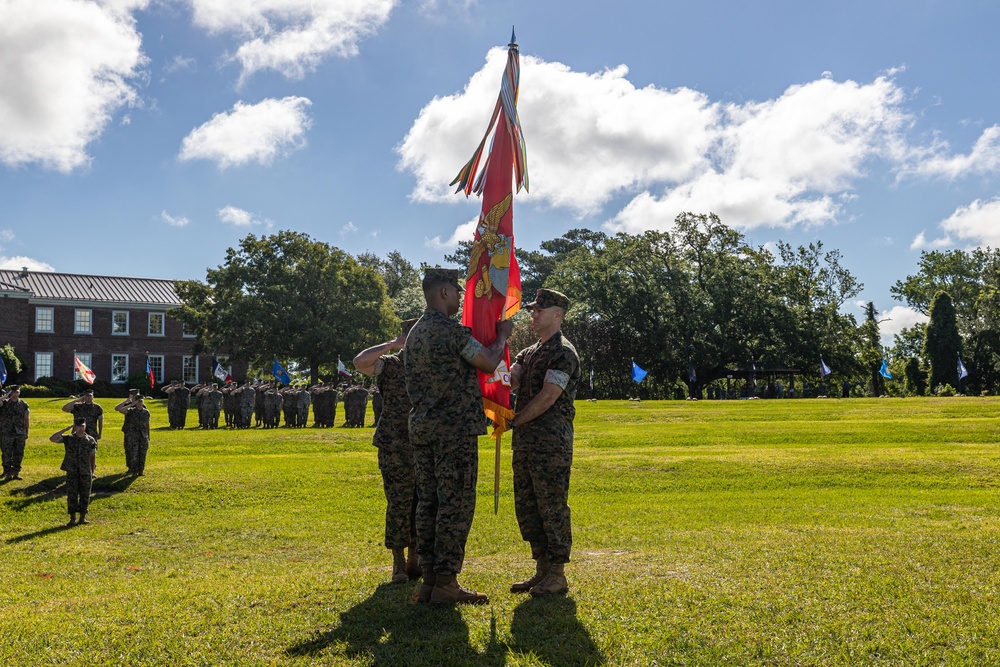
[(441, 358)]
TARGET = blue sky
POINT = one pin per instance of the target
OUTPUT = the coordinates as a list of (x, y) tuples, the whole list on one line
[(144, 137)]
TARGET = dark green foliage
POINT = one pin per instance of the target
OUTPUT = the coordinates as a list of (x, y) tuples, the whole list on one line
[(289, 296), (942, 344), (914, 377), (11, 362)]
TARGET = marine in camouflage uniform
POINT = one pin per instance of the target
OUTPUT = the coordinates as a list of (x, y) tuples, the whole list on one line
[(440, 362), (289, 408), (14, 427), (136, 430), (178, 402), (546, 376), (85, 408), (355, 405), (80, 449), (302, 401), (395, 454), (272, 408), (230, 404)]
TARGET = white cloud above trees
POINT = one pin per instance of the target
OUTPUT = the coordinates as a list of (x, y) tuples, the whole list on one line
[(66, 67), (291, 37), (250, 133)]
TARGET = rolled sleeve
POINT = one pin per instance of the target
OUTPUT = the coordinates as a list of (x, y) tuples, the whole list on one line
[(557, 377), (471, 349)]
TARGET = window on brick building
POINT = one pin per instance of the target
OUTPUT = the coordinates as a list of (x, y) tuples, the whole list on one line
[(189, 372), (82, 321), (119, 368), (43, 364), (156, 324), (119, 323), (44, 320), (87, 359), (156, 365)]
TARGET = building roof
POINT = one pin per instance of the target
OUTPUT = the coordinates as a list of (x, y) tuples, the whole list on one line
[(50, 286)]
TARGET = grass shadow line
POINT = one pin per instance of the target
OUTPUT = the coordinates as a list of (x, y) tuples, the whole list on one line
[(389, 629), (549, 629)]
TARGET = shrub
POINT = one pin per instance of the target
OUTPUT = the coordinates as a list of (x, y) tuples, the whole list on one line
[(36, 391), (944, 390)]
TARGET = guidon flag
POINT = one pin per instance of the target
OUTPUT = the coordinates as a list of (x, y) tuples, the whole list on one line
[(85, 373), (493, 281)]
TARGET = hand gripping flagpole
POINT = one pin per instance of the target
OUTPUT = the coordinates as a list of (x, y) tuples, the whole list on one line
[(493, 282)]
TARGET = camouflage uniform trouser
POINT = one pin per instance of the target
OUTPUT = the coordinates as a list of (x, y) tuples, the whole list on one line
[(177, 415), (541, 492), (12, 451), (136, 446), (400, 484), (78, 485), (446, 472)]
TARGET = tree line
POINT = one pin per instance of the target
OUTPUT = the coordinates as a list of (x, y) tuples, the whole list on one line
[(688, 305)]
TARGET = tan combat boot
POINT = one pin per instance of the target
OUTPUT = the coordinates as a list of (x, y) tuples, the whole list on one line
[(399, 567), (426, 587), (554, 582), (412, 566), (541, 568), (447, 590)]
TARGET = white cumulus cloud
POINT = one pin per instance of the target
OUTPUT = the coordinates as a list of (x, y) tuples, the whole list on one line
[(896, 319), (593, 137), (20, 261), (589, 136), (977, 224), (984, 158), (291, 36), (174, 221), (65, 69), (784, 162), (237, 217), (464, 232), (250, 133)]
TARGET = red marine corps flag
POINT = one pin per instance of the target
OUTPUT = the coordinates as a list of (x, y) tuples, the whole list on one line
[(493, 282)]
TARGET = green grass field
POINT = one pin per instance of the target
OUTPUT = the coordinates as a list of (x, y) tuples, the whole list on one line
[(806, 532)]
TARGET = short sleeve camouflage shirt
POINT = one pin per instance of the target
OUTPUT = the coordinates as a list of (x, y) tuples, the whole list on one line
[(392, 430), (554, 361), (12, 417), (440, 381)]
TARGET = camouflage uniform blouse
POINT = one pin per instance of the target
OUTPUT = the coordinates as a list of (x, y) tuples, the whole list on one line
[(554, 361), (12, 418), (392, 430), (136, 422), (78, 452), (91, 412), (440, 381)]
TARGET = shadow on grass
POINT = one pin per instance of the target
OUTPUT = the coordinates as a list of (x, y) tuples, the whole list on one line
[(389, 629), (548, 630), (53, 488)]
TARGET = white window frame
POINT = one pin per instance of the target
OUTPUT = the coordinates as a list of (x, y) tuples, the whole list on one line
[(87, 359), (163, 325), (184, 364), (52, 320), (185, 333), (76, 322), (51, 359), (115, 313), (124, 379), (157, 377)]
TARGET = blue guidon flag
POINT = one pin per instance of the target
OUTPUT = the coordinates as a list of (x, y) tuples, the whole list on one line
[(962, 372), (638, 374), (884, 371), (279, 373), (824, 370)]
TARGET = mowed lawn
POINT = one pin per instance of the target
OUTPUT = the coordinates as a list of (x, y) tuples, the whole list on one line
[(797, 532)]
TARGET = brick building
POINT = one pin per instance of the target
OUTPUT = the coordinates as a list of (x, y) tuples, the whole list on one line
[(111, 323)]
